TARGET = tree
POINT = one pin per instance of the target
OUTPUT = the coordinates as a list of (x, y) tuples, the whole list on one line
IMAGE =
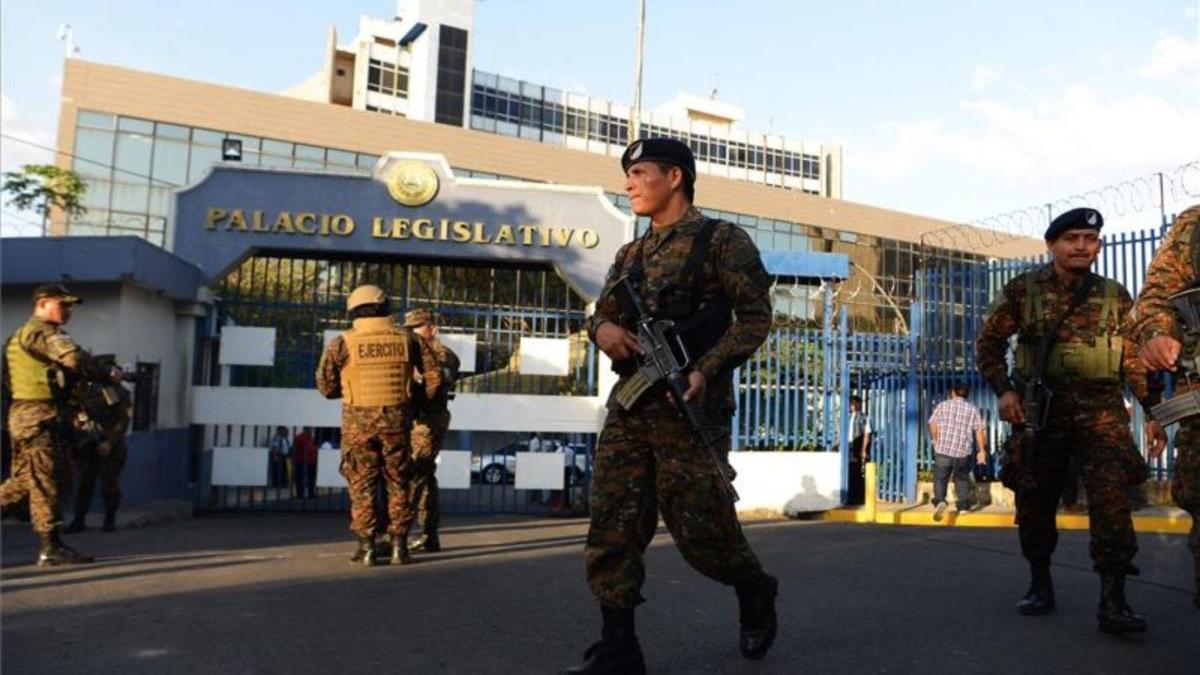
[(44, 186)]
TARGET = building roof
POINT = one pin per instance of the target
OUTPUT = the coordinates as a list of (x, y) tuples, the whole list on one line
[(112, 89), (38, 260)]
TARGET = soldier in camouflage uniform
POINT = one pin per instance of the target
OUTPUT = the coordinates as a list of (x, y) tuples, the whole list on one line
[(40, 357), (430, 422), (102, 418), (708, 275), (371, 367), (1159, 331), (1085, 369)]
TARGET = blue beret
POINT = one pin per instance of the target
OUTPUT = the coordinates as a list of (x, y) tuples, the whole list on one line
[(1076, 219), (666, 150)]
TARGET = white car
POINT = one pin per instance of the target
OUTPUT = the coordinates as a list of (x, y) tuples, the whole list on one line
[(498, 467)]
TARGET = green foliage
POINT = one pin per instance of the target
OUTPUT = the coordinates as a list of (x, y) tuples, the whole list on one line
[(42, 186)]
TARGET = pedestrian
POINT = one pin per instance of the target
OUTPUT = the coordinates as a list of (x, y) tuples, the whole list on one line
[(304, 464), (535, 443), (279, 450), (40, 356), (431, 421), (371, 367), (1071, 324), (859, 449), (954, 424), (101, 422), (1160, 331), (708, 276)]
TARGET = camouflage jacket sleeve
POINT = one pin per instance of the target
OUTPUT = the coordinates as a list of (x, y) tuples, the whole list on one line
[(1170, 272), (747, 286), (429, 366), (606, 305), (1148, 390), (329, 369), (1001, 322), (112, 420), (53, 344)]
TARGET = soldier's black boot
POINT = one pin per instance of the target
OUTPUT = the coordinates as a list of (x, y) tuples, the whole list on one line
[(54, 552), (400, 554), (78, 524), (1115, 614), (756, 612), (1039, 599), (365, 553), (110, 515), (426, 542), (618, 651)]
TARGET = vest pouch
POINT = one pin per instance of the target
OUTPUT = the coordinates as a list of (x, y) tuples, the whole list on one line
[(702, 330)]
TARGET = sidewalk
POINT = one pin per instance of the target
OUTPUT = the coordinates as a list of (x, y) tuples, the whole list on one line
[(1152, 519)]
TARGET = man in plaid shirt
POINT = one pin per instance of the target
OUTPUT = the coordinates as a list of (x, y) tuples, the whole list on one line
[(951, 426)]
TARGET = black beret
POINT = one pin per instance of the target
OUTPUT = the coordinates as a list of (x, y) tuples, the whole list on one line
[(666, 150), (1082, 218)]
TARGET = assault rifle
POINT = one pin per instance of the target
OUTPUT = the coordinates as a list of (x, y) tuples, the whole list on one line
[(666, 360), (1187, 404)]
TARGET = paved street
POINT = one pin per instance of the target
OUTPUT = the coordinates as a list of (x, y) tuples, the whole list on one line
[(274, 593)]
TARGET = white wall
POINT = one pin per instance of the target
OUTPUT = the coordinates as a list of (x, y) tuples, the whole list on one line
[(787, 482)]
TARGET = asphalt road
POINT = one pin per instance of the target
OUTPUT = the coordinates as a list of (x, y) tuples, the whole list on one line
[(274, 593)]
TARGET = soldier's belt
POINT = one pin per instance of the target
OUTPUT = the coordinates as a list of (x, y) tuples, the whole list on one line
[(1179, 407)]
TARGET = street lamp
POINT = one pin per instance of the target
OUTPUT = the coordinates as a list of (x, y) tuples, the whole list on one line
[(231, 150)]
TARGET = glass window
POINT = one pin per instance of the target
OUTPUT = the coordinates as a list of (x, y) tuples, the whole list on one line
[(96, 195), (160, 200), (202, 158), (132, 157), (88, 118), (367, 161), (207, 137), (135, 125), (164, 130), (310, 157), (128, 223), (340, 158), (94, 152), (130, 196), (170, 163)]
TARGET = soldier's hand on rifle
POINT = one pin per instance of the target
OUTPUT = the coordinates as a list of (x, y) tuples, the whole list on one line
[(1157, 436), (697, 387), (1010, 408), (617, 342), (1161, 353)]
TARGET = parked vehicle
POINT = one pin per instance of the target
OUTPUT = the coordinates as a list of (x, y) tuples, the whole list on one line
[(499, 466)]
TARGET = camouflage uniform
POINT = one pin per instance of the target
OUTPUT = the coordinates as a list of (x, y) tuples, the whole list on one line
[(40, 429), (1171, 271), (375, 440), (646, 461), (1088, 410), (430, 424), (97, 422)]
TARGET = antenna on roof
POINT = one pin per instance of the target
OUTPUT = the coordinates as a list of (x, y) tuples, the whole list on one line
[(66, 35)]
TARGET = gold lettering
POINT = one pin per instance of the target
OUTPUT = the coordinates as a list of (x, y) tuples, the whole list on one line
[(256, 222), (544, 232), (301, 218), (377, 230), (324, 225), (423, 228), (462, 231), (588, 238), (213, 216), (282, 224), (526, 234), (505, 235), (400, 228), (237, 220), (342, 225), (445, 227), (563, 235), (480, 237)]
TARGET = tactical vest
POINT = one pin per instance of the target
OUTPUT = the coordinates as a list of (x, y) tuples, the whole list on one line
[(1191, 342), (1095, 357), (379, 371), (701, 320), (28, 376)]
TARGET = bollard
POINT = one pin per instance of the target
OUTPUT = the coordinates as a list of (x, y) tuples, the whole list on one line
[(871, 491)]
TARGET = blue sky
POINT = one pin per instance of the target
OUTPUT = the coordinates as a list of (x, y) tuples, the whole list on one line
[(958, 110)]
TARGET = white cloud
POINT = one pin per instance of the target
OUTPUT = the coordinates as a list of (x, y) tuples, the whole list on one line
[(1173, 56), (983, 76)]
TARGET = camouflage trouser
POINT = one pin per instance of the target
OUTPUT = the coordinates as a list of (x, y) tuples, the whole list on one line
[(1185, 481), (646, 464), (90, 465), (369, 455), (1109, 466), (428, 434), (41, 472)]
